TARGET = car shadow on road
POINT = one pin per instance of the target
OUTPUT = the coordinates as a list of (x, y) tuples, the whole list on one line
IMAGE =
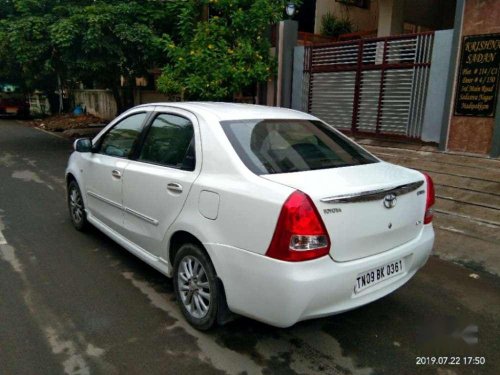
[(387, 336)]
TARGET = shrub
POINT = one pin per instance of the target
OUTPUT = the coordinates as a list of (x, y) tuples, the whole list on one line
[(333, 26)]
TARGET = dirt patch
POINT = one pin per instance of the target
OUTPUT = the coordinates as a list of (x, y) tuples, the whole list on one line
[(60, 123)]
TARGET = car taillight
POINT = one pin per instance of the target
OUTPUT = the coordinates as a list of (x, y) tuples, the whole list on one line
[(300, 233), (430, 200)]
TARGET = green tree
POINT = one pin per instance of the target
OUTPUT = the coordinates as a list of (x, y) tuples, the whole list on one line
[(218, 47), (26, 48), (99, 42), (25, 51), (108, 41)]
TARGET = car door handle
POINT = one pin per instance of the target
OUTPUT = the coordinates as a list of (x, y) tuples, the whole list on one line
[(174, 187), (116, 174)]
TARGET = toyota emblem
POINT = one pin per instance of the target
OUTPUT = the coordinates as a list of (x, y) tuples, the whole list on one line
[(390, 201)]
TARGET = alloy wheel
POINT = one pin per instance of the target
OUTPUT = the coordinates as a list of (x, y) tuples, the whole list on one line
[(76, 205), (194, 287)]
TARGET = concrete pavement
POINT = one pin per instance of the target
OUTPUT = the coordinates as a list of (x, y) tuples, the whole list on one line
[(78, 303), (467, 210)]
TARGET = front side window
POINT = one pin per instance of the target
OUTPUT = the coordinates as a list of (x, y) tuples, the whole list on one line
[(120, 140), (283, 146), (169, 142)]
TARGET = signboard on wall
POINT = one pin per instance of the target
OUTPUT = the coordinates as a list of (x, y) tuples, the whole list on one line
[(477, 85)]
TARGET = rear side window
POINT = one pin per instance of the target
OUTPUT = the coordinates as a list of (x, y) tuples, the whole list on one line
[(169, 142), (283, 146)]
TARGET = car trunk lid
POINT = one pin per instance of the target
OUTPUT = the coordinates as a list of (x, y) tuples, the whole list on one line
[(367, 209)]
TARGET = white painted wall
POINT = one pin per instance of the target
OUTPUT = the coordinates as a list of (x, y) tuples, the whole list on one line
[(99, 103), (391, 17)]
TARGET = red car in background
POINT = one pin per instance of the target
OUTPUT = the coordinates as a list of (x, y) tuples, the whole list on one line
[(13, 102)]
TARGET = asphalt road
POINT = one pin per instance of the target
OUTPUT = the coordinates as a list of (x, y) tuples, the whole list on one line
[(78, 303)]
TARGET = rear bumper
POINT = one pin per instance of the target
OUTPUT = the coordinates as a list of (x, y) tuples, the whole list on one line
[(282, 293), (11, 113)]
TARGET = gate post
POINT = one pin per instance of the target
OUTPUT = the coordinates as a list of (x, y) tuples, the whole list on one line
[(288, 32), (357, 87), (381, 89)]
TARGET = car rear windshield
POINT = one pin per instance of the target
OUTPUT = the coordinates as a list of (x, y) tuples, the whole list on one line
[(283, 146)]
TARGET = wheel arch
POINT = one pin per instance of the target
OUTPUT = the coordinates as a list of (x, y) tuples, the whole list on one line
[(178, 239), (73, 174), (70, 177)]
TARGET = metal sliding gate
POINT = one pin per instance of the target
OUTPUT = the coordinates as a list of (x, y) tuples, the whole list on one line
[(375, 86)]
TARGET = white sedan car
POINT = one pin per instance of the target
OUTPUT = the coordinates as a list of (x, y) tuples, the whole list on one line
[(264, 212)]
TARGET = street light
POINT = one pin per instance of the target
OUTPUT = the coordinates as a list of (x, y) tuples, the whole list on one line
[(290, 9)]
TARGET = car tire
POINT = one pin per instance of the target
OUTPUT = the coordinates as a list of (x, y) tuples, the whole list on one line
[(76, 207), (196, 287)]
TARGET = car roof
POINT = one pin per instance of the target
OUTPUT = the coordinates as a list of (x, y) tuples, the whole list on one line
[(236, 111)]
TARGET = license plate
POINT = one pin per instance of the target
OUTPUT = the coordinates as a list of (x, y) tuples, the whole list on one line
[(372, 277), (10, 110)]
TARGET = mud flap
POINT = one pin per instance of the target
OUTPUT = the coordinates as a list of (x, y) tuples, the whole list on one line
[(224, 315)]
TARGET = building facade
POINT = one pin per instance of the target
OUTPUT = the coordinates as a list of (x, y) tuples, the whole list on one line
[(388, 17), (474, 123), (461, 110)]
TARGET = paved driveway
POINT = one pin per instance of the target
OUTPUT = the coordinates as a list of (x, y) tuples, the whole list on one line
[(78, 303)]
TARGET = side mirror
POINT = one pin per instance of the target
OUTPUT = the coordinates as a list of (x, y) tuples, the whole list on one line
[(83, 145)]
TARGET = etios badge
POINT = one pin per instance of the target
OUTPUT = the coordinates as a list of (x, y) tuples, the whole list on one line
[(390, 201)]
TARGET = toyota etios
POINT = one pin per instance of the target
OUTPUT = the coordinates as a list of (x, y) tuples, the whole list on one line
[(264, 212)]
